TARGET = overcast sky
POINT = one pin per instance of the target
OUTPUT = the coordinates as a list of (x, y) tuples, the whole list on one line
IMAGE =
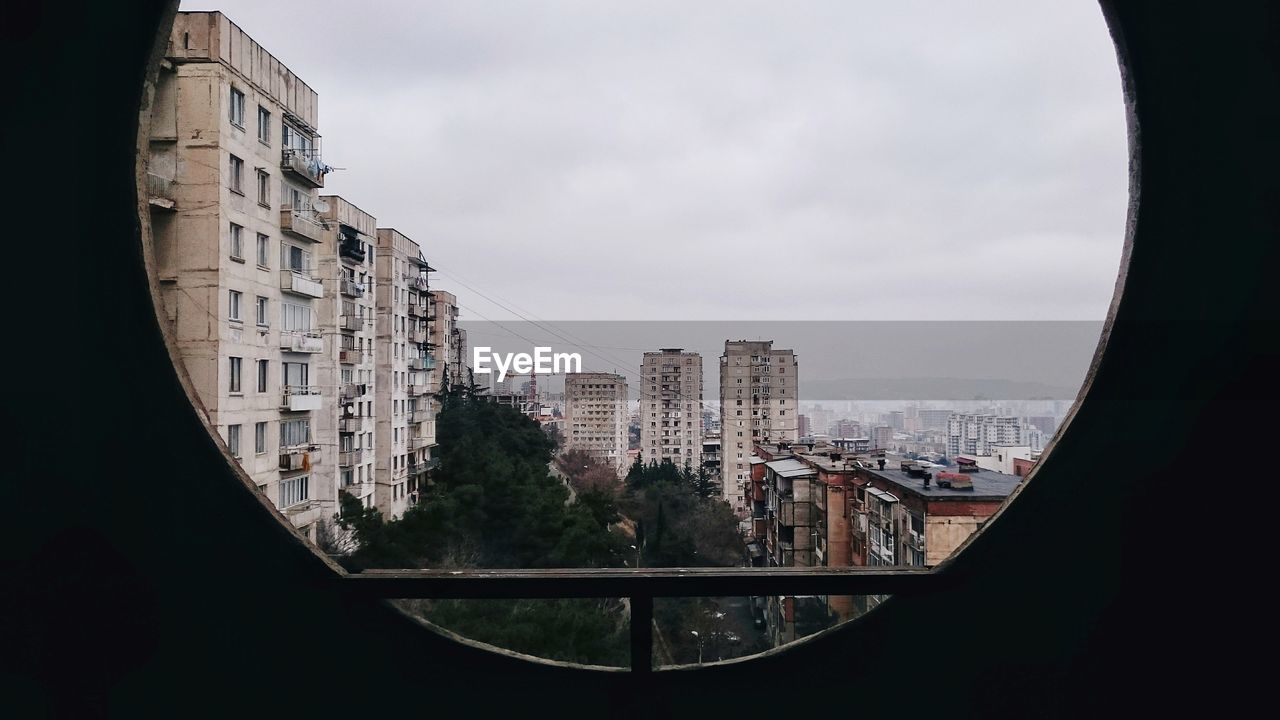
[(728, 160)]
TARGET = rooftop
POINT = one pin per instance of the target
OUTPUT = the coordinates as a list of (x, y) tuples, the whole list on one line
[(987, 484)]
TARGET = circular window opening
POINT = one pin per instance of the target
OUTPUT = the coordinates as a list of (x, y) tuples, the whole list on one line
[(823, 285)]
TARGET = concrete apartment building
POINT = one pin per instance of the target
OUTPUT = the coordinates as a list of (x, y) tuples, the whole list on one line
[(758, 404), (799, 499), (404, 408), (595, 410), (671, 407), (818, 505), (347, 315), (973, 434), (711, 457), (448, 339), (881, 437), (233, 170)]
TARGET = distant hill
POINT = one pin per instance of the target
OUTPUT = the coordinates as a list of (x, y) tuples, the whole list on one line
[(931, 389)]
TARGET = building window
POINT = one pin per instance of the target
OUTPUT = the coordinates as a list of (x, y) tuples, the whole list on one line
[(294, 491), (264, 189), (233, 440), (237, 242), (237, 175), (263, 366), (233, 311), (295, 318), (260, 438), (237, 108), (264, 126), (235, 375), (262, 312), (295, 432), (264, 251), (295, 374), (295, 258)]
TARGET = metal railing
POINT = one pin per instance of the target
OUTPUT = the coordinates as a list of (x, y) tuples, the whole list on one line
[(640, 586)]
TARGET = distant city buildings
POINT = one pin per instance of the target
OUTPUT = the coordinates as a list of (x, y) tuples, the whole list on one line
[(881, 437), (975, 434), (671, 407), (596, 416), (758, 403), (933, 419)]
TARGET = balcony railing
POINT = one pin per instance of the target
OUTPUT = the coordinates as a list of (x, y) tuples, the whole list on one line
[(297, 457), (417, 389), (351, 288), (350, 356), (301, 342), (351, 322), (418, 283), (302, 223), (160, 192), (301, 282), (304, 165), (353, 424), (348, 458), (351, 250), (351, 391), (417, 336), (426, 362), (300, 398)]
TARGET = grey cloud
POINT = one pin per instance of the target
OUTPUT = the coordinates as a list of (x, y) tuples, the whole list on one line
[(903, 160)]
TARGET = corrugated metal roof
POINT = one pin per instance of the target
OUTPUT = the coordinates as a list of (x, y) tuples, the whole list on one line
[(884, 496), (789, 467)]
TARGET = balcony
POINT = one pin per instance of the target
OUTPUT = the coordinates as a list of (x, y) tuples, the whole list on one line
[(300, 398), (297, 457), (419, 442), (349, 356), (416, 390), (352, 424), (350, 457), (302, 223), (418, 283), (160, 192), (417, 336), (351, 250), (351, 322), (426, 362), (351, 391), (417, 310), (301, 342), (351, 288), (423, 467), (300, 282), (303, 165), (419, 415)]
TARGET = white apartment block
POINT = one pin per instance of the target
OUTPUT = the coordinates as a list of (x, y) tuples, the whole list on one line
[(974, 435), (671, 407), (347, 313), (233, 169), (404, 407), (596, 416), (758, 404)]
